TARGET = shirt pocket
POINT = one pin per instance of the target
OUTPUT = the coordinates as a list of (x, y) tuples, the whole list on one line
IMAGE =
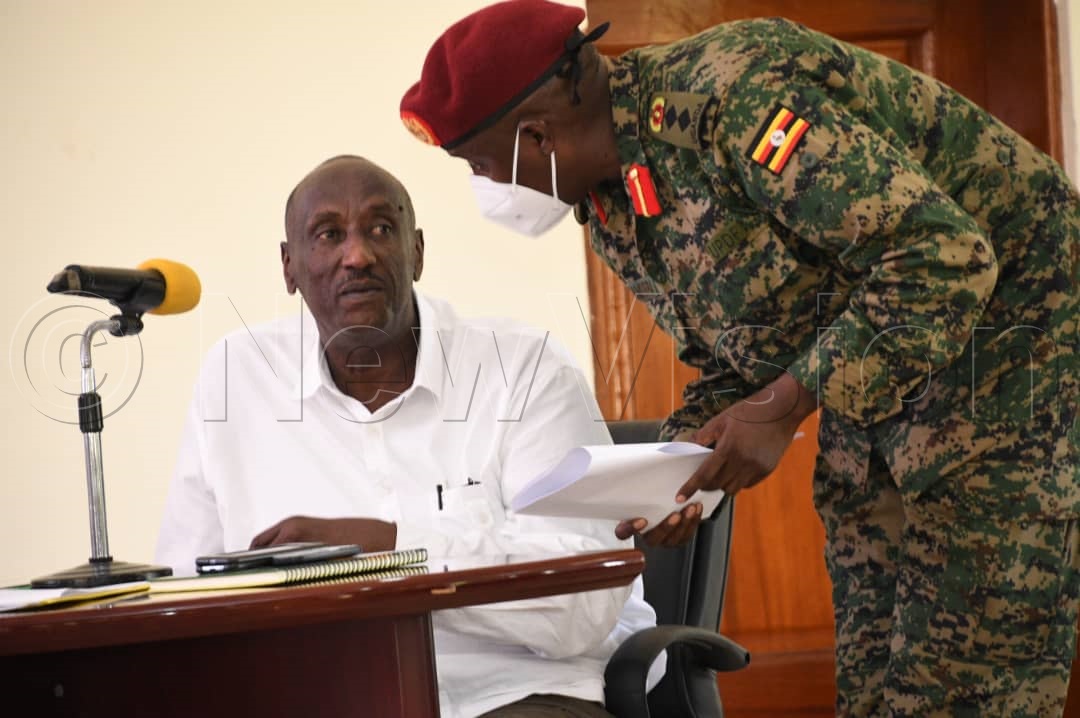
[(752, 267), (477, 505)]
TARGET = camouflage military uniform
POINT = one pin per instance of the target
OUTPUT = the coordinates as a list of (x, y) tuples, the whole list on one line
[(795, 203)]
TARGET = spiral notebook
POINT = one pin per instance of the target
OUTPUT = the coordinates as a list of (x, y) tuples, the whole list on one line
[(264, 577)]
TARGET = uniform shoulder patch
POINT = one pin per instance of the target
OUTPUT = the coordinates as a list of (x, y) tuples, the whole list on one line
[(678, 117), (777, 139)]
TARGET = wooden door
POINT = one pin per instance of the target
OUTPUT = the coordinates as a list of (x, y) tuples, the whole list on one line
[(1002, 54)]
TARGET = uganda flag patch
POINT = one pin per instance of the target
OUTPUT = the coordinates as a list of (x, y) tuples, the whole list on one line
[(777, 139)]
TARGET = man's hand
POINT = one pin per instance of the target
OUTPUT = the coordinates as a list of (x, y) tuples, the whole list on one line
[(674, 530), (748, 439), (370, 534)]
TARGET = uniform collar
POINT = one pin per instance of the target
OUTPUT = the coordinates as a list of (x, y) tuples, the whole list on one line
[(638, 195), (428, 375)]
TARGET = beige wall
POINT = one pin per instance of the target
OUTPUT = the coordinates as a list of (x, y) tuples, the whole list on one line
[(136, 128), (133, 129)]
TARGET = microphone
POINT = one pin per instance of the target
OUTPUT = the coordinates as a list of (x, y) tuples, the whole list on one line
[(158, 286)]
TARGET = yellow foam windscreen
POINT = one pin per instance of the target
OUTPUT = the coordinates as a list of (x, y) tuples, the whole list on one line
[(182, 286)]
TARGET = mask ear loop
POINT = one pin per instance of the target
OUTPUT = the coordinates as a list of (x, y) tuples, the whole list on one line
[(554, 180), (517, 142), (513, 174)]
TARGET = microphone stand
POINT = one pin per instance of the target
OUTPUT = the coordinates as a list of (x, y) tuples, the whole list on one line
[(101, 569)]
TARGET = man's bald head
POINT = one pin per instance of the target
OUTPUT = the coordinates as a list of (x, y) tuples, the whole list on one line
[(325, 170)]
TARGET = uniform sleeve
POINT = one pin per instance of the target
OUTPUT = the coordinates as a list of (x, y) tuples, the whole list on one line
[(559, 415), (703, 399), (922, 270)]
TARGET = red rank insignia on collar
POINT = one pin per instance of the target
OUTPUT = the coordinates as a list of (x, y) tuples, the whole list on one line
[(598, 207), (642, 191)]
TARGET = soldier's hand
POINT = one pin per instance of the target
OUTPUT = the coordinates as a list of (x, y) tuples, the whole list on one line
[(743, 454), (749, 438)]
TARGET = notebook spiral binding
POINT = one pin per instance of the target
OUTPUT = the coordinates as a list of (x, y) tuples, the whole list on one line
[(403, 572), (358, 565)]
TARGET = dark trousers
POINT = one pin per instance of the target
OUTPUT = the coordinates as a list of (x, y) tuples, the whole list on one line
[(549, 706)]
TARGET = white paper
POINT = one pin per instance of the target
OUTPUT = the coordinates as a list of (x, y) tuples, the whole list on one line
[(12, 598), (15, 598), (619, 482)]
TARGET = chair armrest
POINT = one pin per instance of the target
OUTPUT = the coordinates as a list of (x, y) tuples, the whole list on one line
[(628, 667)]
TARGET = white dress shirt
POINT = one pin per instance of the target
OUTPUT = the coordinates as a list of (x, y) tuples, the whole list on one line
[(269, 435)]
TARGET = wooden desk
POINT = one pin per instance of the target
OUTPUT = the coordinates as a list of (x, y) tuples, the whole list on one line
[(362, 648)]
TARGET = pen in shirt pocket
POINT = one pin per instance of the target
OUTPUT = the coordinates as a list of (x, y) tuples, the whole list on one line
[(439, 490)]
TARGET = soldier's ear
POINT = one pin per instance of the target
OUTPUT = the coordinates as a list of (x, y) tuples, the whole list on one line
[(539, 132)]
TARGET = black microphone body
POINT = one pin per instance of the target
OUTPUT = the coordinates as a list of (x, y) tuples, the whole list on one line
[(158, 286), (133, 290)]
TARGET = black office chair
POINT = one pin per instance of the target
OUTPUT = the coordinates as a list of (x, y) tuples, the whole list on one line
[(685, 586)]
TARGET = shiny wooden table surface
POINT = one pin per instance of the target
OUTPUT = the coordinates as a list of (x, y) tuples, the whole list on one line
[(358, 647)]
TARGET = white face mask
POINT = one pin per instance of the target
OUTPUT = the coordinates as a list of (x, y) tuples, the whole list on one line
[(517, 207)]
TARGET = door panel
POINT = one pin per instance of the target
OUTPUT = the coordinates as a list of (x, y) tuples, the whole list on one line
[(999, 53)]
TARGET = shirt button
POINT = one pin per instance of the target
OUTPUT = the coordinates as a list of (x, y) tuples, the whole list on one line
[(1003, 156), (808, 159), (995, 178)]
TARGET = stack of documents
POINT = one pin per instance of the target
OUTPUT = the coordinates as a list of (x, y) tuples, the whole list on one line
[(624, 481), (305, 573), (13, 599)]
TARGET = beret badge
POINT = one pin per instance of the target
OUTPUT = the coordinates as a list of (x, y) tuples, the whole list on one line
[(420, 129)]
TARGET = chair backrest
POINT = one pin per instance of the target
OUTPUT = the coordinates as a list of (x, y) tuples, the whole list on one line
[(684, 585)]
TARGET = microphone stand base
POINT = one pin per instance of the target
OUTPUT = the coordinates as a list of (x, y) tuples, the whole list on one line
[(101, 573)]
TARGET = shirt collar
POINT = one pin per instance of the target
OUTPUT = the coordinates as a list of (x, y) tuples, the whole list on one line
[(429, 373), (625, 109), (430, 365)]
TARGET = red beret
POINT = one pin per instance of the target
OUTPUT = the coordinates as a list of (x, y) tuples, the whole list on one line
[(486, 64)]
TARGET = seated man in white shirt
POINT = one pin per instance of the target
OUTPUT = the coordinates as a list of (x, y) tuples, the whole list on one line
[(394, 423)]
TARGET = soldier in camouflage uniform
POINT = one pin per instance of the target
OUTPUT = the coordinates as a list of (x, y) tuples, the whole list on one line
[(820, 226)]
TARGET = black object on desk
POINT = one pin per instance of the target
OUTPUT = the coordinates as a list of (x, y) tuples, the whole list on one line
[(286, 554)]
